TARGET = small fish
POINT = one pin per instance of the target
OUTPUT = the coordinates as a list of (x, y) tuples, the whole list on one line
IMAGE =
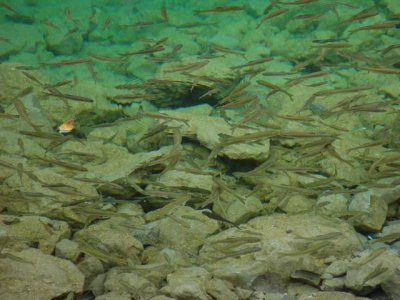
[(56, 93), (274, 88), (186, 67), (5, 40), (297, 2), (66, 127), (376, 26), (107, 22), (106, 58), (219, 9), (67, 62), (307, 16), (381, 70), (216, 217), (272, 15), (24, 115), (49, 24), (164, 14), (389, 48), (366, 13), (379, 270), (253, 63), (148, 50), (62, 164)]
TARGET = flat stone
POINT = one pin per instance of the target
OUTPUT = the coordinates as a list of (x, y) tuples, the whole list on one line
[(38, 276)]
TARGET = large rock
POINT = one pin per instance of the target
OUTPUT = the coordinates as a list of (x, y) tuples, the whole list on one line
[(35, 229), (279, 243), (371, 211), (30, 274), (371, 269)]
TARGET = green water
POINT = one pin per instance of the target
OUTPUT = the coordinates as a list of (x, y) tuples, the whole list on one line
[(249, 148)]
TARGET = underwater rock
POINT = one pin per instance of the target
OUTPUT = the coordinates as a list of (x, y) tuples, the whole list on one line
[(35, 275), (391, 285), (336, 268), (20, 37), (188, 283), (393, 6), (35, 229), (119, 246), (68, 249), (280, 244), (297, 203), (236, 208), (62, 43), (123, 282), (333, 284), (11, 144), (306, 277), (370, 269), (13, 83), (181, 179), (371, 211), (333, 205), (330, 296), (113, 162), (181, 228), (220, 289), (91, 267), (114, 296)]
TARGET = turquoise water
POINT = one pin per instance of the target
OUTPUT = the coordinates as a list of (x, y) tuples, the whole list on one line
[(239, 140)]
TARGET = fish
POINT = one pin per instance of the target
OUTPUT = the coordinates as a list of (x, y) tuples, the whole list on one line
[(274, 88), (240, 252), (333, 45), (219, 9), (9, 8), (307, 16), (139, 24), (389, 48), (365, 13), (107, 22), (308, 250), (20, 170), (66, 62), (271, 15), (147, 50), (102, 255), (379, 270), (164, 14), (186, 67), (43, 135), (374, 254), (55, 93), (381, 70), (216, 217), (388, 238), (377, 26), (297, 2), (49, 24), (219, 48), (253, 63), (327, 236), (163, 116), (355, 89), (66, 127), (33, 78), (8, 116), (62, 164), (370, 144), (24, 115)]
